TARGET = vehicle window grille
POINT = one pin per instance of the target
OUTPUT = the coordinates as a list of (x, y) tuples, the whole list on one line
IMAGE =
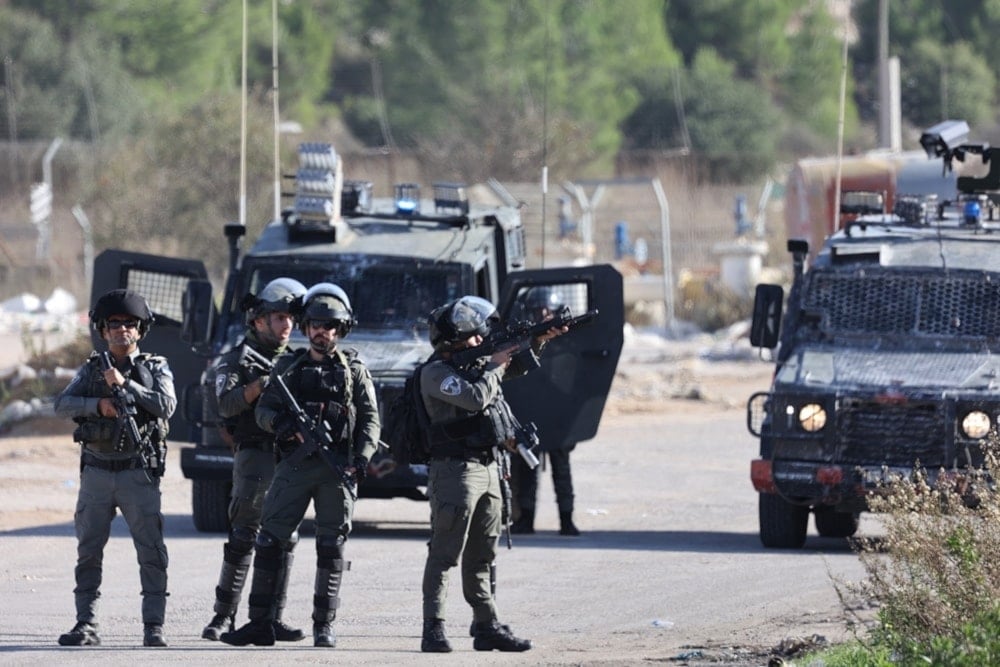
[(163, 291), (954, 305)]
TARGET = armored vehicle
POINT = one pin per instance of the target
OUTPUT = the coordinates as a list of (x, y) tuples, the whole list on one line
[(886, 358), (397, 258)]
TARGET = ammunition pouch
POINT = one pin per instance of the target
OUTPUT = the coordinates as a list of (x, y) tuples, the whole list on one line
[(95, 430), (456, 430), (336, 417)]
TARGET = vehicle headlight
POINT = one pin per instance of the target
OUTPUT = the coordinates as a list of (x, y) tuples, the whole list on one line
[(976, 424), (812, 417)]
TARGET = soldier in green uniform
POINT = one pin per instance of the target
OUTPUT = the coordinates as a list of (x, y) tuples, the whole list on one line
[(469, 421), (240, 378), (115, 471), (542, 303), (335, 389)]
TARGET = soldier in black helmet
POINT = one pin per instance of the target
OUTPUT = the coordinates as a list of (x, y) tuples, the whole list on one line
[(113, 475), (239, 382), (469, 420), (335, 388), (539, 304)]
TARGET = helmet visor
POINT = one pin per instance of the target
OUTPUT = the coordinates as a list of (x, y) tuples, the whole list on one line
[(471, 315)]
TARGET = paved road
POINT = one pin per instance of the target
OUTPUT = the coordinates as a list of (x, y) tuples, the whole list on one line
[(669, 560)]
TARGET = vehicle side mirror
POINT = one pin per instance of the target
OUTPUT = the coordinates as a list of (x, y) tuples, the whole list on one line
[(766, 325), (196, 328)]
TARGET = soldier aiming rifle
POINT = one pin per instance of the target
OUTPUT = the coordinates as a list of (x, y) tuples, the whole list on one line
[(471, 429)]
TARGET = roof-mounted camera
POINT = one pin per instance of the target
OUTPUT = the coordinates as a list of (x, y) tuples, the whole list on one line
[(942, 139)]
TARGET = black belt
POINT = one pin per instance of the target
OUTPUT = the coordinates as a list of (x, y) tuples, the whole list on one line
[(111, 465), (263, 445), (483, 456)]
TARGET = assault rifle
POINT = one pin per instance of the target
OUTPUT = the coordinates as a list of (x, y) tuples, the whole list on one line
[(521, 333), (149, 454), (315, 437), (254, 361)]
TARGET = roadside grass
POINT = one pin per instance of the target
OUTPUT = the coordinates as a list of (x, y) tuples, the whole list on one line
[(934, 576)]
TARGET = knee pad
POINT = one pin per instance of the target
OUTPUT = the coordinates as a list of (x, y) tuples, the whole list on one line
[(330, 547), (241, 540), (268, 552)]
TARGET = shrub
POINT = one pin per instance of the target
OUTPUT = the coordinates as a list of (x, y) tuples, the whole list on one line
[(935, 574)]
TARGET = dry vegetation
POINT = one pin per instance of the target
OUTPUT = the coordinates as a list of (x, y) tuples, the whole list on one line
[(935, 574)]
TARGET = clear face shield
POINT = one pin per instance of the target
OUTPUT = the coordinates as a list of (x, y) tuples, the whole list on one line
[(472, 315)]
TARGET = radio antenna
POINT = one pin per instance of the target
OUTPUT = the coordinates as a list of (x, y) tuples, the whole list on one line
[(277, 117), (545, 131), (243, 123)]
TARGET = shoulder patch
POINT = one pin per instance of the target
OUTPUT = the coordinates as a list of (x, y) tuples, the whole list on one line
[(451, 386), (220, 384)]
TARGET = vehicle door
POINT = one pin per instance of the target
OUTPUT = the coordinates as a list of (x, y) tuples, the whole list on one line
[(566, 396), (163, 281)]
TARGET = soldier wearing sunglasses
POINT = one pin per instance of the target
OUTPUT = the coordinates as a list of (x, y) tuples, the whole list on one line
[(335, 389), (113, 474)]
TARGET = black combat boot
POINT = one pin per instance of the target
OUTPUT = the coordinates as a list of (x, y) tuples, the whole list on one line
[(330, 566), (434, 639), (566, 525), (324, 636), (218, 625), (492, 636), (260, 630), (282, 631), (525, 524), (82, 634), (152, 635), (236, 556)]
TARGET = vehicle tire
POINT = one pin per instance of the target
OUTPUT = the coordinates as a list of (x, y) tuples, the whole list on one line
[(830, 523), (782, 524), (210, 505)]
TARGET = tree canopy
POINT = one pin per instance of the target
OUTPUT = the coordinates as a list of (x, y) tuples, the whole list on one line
[(488, 88)]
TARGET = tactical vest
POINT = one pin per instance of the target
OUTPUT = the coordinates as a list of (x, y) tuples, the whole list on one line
[(492, 426), (324, 390), (243, 427), (102, 434)]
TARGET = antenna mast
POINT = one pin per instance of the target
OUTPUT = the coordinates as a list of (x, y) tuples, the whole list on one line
[(277, 119), (243, 124)]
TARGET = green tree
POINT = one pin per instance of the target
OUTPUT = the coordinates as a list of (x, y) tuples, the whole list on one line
[(751, 35), (945, 50), (940, 82), (75, 87), (809, 86), (733, 124), (455, 72)]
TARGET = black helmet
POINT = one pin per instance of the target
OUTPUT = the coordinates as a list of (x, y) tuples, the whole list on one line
[(281, 295), (537, 298), (121, 302), (326, 301), (461, 319)]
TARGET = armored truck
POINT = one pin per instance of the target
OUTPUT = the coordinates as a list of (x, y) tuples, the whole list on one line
[(397, 258), (886, 356)]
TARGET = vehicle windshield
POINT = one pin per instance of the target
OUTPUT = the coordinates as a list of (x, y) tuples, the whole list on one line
[(383, 296)]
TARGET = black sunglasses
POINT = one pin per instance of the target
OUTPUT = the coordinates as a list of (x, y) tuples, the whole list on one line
[(327, 325), (118, 324)]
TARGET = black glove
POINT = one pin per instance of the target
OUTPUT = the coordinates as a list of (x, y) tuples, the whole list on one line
[(284, 427), (360, 464)]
